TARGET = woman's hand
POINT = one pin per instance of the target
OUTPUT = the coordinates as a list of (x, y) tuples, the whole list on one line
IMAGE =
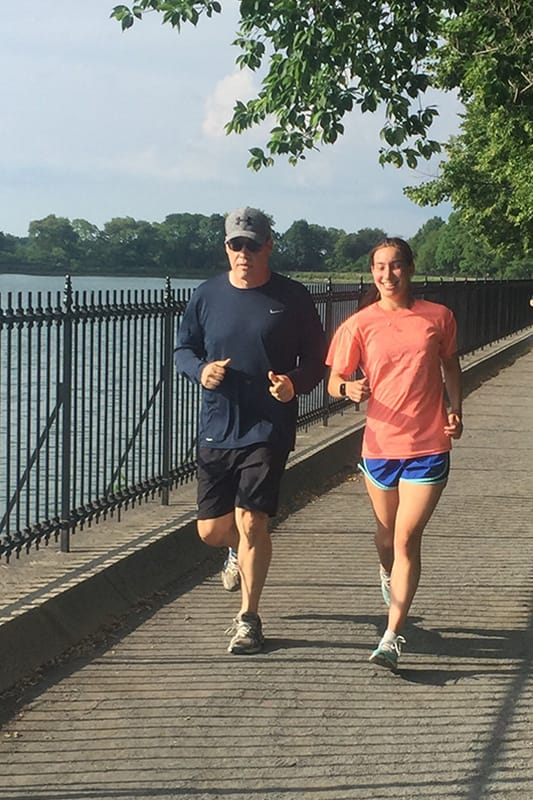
[(358, 391), (454, 428)]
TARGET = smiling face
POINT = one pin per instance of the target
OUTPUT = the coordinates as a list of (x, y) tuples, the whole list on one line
[(392, 273)]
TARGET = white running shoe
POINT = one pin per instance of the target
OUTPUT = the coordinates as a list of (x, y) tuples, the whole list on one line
[(231, 579), (388, 652), (246, 634)]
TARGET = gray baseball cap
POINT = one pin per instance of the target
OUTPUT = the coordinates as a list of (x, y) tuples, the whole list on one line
[(249, 223)]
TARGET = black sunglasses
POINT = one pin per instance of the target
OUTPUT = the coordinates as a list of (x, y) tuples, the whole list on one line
[(239, 244)]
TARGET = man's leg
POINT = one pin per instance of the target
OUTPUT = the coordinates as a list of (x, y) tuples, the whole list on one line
[(257, 500), (220, 531), (249, 479), (216, 501), (216, 497), (255, 553)]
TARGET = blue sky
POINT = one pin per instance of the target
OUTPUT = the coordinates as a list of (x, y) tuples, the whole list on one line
[(97, 124)]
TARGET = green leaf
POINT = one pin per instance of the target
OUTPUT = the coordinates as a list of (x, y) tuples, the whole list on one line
[(319, 60)]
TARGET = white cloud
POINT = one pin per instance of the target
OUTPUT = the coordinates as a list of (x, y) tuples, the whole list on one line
[(219, 105), (97, 123)]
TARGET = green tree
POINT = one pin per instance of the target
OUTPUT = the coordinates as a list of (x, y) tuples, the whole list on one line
[(487, 177), (10, 247), (352, 249), (87, 232), (211, 231), (91, 250), (488, 56), (52, 241), (424, 244), (321, 60), (305, 247), (131, 246), (460, 252), (193, 244)]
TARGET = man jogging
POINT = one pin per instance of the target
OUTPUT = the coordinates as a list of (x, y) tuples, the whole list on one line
[(254, 341)]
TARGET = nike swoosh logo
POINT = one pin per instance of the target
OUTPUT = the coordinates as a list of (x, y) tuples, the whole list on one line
[(276, 311)]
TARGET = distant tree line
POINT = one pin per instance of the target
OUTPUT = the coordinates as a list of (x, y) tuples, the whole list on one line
[(190, 246)]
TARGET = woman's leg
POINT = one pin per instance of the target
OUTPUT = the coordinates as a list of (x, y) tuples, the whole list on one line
[(416, 505), (385, 505)]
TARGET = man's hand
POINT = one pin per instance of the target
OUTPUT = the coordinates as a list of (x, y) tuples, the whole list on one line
[(214, 373), (282, 387)]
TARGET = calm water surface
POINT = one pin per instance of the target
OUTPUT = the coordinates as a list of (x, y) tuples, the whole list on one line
[(96, 283)]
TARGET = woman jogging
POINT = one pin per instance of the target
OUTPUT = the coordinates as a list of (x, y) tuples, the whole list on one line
[(403, 347)]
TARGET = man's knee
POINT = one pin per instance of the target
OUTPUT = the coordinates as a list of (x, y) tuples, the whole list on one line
[(216, 532)]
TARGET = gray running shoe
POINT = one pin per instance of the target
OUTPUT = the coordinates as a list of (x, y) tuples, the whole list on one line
[(385, 585), (246, 634), (231, 579), (386, 654)]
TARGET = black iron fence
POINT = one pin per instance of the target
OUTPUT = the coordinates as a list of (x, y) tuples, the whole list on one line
[(93, 418)]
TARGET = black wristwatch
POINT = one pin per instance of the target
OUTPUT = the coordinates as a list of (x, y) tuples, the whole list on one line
[(342, 389)]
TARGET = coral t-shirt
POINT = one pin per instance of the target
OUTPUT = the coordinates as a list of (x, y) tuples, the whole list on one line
[(400, 352)]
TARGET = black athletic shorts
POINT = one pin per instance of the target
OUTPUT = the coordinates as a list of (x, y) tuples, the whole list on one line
[(248, 478)]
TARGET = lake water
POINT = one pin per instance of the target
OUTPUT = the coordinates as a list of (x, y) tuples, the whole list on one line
[(56, 283), (116, 423)]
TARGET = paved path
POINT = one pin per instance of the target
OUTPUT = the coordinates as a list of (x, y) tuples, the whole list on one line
[(161, 711)]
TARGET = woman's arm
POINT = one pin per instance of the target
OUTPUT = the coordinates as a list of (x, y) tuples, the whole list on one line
[(454, 388), (356, 391)]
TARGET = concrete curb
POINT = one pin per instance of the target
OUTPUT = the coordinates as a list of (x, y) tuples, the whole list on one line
[(79, 609), (482, 365)]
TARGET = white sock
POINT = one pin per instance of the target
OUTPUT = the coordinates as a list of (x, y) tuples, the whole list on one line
[(389, 637)]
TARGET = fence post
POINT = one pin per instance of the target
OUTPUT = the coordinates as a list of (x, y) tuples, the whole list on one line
[(167, 393), (66, 404), (329, 334)]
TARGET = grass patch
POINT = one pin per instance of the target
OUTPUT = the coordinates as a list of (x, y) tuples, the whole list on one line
[(351, 277)]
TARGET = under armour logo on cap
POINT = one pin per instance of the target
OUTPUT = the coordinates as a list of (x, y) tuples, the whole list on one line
[(249, 223)]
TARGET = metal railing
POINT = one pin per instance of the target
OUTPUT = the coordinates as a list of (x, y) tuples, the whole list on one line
[(93, 418)]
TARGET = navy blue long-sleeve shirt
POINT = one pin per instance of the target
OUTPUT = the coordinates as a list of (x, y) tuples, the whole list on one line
[(272, 327)]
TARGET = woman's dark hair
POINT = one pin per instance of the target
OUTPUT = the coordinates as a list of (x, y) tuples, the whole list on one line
[(372, 294), (399, 244)]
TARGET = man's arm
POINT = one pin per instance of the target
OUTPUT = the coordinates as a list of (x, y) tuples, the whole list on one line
[(311, 364), (189, 353)]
